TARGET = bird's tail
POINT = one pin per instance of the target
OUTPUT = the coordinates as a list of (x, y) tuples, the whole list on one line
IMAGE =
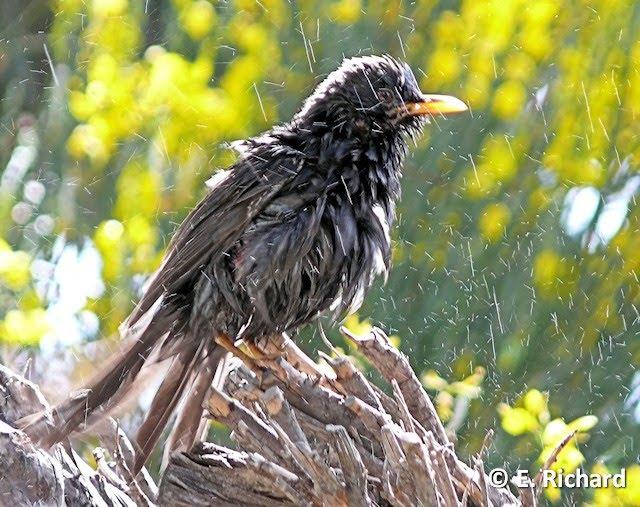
[(190, 365)]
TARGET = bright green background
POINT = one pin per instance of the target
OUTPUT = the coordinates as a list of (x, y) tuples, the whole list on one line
[(124, 134)]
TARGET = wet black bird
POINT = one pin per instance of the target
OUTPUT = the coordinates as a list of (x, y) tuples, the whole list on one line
[(297, 227)]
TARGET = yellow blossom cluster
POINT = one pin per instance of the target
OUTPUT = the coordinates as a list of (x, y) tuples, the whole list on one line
[(26, 323), (531, 416), (451, 394)]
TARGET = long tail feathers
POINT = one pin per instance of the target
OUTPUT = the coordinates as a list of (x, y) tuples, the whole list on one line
[(193, 365), (187, 426), (181, 374), (116, 377)]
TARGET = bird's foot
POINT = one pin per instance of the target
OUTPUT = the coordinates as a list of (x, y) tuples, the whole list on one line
[(261, 355), (273, 347), (228, 344)]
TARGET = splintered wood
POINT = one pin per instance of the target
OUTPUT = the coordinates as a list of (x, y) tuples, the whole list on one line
[(303, 434), (307, 435)]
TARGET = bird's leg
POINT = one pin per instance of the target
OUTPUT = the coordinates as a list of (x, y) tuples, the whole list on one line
[(260, 354), (227, 343), (281, 345)]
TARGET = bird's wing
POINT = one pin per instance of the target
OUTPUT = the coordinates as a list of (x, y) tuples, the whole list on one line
[(219, 219)]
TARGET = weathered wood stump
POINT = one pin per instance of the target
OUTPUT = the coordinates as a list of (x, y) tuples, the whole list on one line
[(304, 435)]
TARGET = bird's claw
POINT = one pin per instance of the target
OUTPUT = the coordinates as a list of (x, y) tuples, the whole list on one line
[(228, 344)]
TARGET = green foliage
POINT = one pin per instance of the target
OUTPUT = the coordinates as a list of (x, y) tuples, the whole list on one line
[(488, 282)]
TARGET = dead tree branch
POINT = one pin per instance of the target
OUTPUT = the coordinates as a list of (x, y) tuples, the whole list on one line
[(304, 435)]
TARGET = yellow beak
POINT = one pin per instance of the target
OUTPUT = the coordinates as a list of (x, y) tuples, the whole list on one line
[(437, 104)]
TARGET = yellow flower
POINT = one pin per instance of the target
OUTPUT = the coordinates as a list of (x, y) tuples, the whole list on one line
[(536, 41), (85, 141), (553, 493), (395, 340), (540, 12), (140, 232), (465, 389), (15, 268), (139, 192), (431, 380), (493, 221), (346, 11), (631, 494), (539, 199), (591, 172), (584, 423), (554, 432), (24, 327), (477, 90), (519, 66), (620, 497), (253, 38), (198, 19), (105, 8), (356, 326), (509, 99), (568, 458), (516, 421), (444, 405), (109, 233), (547, 267), (535, 402), (449, 28), (499, 158), (80, 106), (108, 240), (481, 62), (444, 66)]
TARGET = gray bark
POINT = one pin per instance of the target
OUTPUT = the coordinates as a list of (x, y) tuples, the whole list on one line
[(303, 436)]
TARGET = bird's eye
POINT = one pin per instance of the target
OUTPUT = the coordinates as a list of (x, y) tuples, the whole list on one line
[(385, 95)]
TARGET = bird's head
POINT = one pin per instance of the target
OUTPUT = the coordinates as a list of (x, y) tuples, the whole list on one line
[(374, 94)]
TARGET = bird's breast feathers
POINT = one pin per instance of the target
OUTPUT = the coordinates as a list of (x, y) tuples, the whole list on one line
[(313, 251)]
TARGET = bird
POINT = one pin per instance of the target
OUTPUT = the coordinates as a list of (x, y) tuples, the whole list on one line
[(296, 228)]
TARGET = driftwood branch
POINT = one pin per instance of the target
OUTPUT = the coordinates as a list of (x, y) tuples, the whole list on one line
[(304, 435)]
